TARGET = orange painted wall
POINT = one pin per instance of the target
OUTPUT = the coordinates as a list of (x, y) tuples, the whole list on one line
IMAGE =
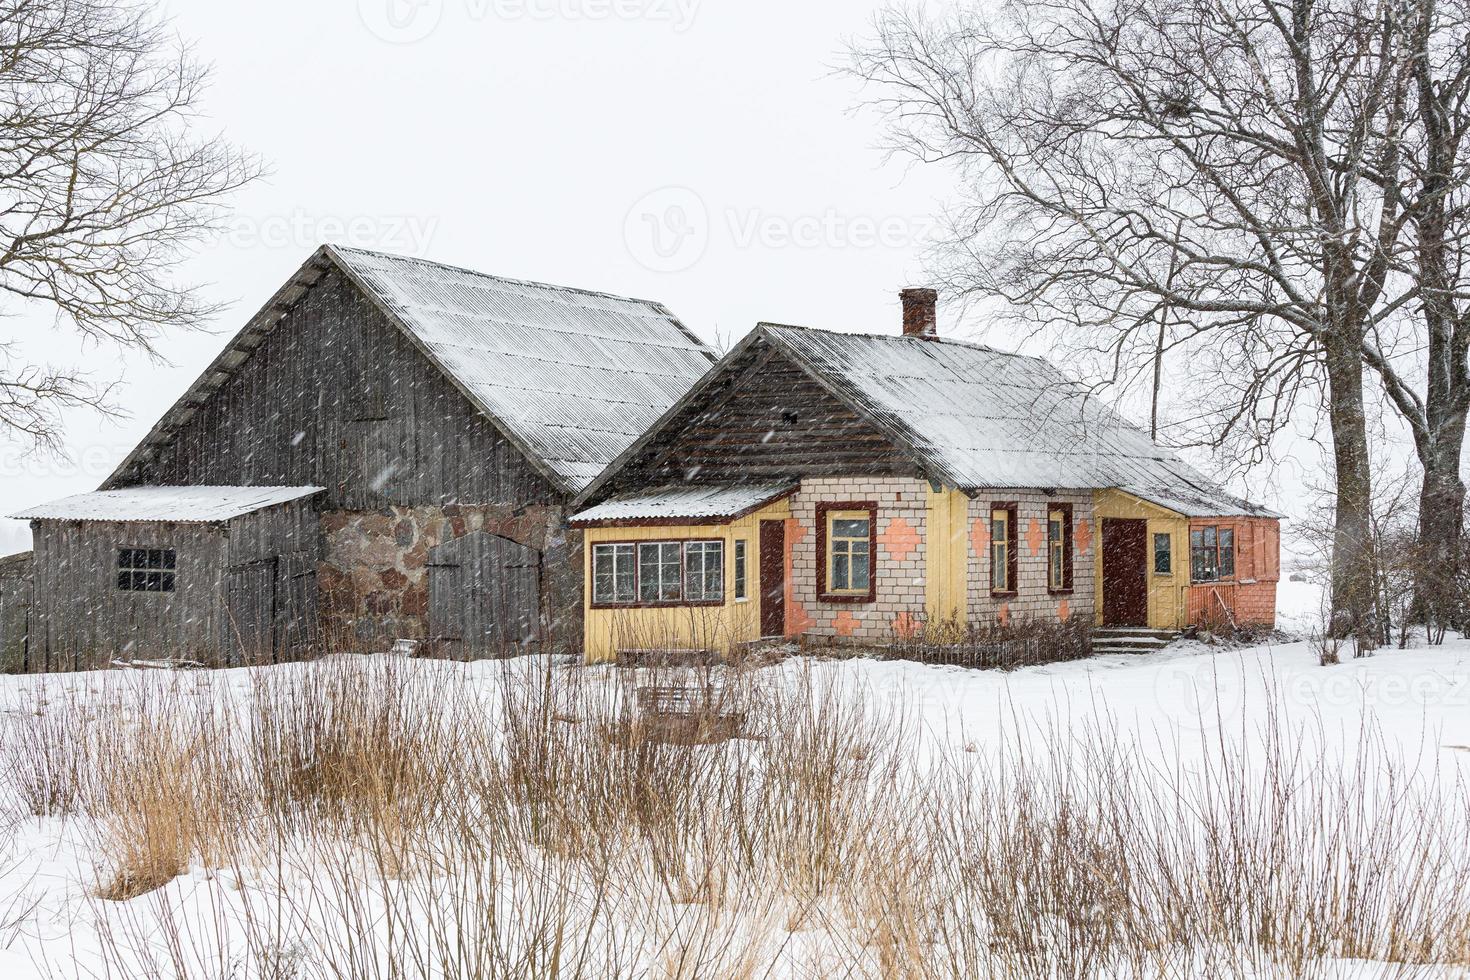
[(1251, 595)]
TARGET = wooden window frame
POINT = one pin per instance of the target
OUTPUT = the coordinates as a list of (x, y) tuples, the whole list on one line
[(1154, 554), (1068, 584), (824, 559), (167, 570), (740, 570), (1013, 541), (680, 603), (1219, 529)]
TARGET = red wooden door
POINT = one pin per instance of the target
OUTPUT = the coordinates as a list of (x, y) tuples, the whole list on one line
[(773, 578), (1125, 572)]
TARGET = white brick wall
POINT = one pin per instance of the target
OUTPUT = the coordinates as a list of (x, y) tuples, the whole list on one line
[(1032, 600), (900, 582)]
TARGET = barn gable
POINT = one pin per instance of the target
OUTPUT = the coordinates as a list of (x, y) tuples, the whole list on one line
[(567, 377)]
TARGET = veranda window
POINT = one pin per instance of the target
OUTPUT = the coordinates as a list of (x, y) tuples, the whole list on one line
[(658, 573), (1212, 553)]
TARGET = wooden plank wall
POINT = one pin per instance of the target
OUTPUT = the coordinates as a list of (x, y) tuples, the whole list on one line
[(337, 397), (15, 601), (271, 602), (79, 618), (766, 419)]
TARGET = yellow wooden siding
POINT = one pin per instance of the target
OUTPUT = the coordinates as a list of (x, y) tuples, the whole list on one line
[(720, 627), (946, 584), (1168, 598)]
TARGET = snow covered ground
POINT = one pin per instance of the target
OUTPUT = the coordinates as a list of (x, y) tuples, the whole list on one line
[(1174, 708)]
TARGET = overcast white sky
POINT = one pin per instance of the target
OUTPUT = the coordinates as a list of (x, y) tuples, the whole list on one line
[(697, 152)]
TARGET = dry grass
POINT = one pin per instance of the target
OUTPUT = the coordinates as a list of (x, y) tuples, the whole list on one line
[(376, 818)]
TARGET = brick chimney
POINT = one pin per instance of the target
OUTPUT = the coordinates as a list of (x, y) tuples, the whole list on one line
[(918, 312)]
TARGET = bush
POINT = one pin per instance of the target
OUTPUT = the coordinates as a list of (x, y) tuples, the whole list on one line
[(1019, 643)]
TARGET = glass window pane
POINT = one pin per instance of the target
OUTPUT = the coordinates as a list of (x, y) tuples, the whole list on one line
[(140, 581), (168, 581), (1227, 553), (125, 581), (850, 528), (170, 559), (859, 572), (841, 578)]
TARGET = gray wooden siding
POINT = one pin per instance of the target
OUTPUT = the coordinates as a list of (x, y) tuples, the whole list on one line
[(80, 620), (15, 602), (245, 591), (271, 589), (764, 419), (335, 396), (483, 596)]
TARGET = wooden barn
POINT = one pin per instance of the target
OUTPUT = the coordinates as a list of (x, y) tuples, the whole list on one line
[(853, 487), (448, 418), (209, 574)]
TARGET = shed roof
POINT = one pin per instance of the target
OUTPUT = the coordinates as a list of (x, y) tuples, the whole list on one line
[(694, 502), (976, 418), (173, 505), (571, 377)]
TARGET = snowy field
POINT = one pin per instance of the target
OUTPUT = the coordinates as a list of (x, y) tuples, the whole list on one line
[(1197, 812)]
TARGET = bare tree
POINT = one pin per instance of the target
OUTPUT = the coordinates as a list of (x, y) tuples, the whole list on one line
[(1435, 44), (103, 186), (1216, 179)]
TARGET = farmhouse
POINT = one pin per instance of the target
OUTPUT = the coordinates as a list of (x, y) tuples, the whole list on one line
[(385, 451), (852, 487)]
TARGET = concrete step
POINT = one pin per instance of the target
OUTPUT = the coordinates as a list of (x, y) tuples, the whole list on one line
[(1130, 632), (1130, 639)]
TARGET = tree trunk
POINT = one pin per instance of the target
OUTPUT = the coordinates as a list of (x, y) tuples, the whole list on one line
[(1353, 606), (1441, 525)]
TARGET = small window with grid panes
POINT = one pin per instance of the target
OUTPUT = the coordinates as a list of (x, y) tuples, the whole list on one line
[(147, 569)]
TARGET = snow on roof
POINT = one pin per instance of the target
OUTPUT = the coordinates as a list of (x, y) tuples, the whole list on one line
[(575, 376), (981, 418), (571, 377), (683, 501), (177, 505)]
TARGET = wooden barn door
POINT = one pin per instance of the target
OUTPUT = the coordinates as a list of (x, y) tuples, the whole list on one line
[(251, 611), (484, 596), (296, 594)]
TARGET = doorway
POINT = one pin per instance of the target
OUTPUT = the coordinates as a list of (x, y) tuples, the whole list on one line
[(1125, 572), (773, 578)]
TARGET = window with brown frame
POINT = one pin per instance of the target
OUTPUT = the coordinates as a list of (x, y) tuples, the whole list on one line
[(1004, 560), (658, 573), (1211, 554), (1059, 548), (847, 547)]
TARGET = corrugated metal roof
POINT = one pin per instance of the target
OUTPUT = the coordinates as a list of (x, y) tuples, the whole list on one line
[(685, 501), (176, 505), (981, 418), (571, 377)]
